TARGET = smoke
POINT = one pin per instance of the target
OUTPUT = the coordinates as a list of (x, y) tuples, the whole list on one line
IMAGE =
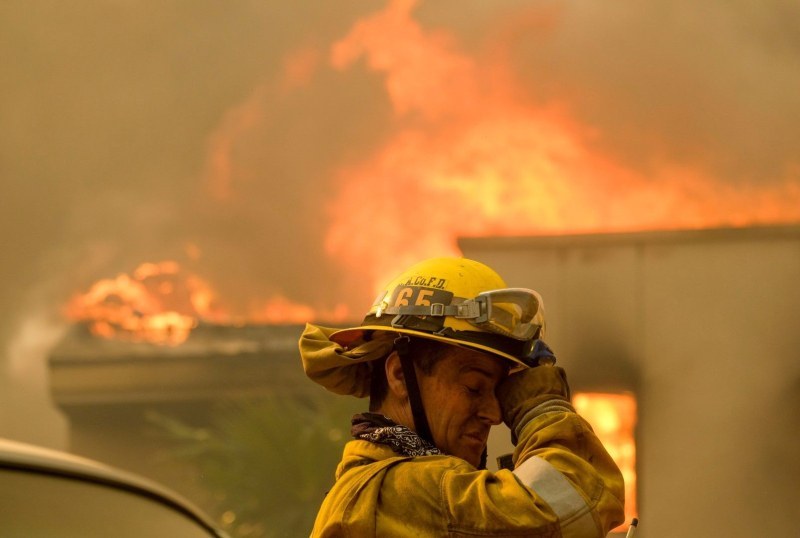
[(26, 411), (226, 136), (666, 80)]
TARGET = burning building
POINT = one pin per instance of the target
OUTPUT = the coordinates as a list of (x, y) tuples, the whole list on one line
[(699, 327), (679, 345), (293, 156)]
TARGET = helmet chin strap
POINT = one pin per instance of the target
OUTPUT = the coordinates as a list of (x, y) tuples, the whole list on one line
[(402, 346)]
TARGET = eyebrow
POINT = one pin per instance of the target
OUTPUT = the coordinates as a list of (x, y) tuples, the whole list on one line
[(470, 368)]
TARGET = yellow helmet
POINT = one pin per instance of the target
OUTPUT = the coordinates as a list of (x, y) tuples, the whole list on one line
[(458, 301)]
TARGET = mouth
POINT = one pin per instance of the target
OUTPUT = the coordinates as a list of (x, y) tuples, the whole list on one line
[(476, 438)]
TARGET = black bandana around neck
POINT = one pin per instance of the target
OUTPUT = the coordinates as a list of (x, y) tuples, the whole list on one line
[(377, 428)]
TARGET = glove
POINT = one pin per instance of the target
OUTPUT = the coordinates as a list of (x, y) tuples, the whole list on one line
[(531, 392)]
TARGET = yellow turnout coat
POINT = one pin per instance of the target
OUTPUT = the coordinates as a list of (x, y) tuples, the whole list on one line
[(564, 484)]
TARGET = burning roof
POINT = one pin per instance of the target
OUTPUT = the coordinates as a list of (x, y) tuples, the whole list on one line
[(330, 200)]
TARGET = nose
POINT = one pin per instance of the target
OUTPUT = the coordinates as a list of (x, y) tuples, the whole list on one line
[(489, 411)]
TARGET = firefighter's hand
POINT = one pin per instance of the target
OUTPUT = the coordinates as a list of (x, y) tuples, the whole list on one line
[(531, 392)]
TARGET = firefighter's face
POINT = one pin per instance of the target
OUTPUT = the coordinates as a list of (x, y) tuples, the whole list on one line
[(460, 401)]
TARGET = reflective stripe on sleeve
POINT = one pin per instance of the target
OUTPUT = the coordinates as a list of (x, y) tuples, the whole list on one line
[(553, 487)]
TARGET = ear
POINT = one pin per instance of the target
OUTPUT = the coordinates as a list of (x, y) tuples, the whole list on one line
[(395, 379)]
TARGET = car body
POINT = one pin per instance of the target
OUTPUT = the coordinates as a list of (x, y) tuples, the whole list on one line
[(50, 494)]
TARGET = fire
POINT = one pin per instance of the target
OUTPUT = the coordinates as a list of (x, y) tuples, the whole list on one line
[(470, 156), (161, 303), (466, 152), (153, 304), (613, 417)]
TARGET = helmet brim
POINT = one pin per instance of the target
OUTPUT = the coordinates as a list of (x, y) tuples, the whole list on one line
[(351, 337)]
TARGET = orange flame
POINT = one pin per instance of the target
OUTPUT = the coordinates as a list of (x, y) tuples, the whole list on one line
[(160, 303), (613, 418), (470, 157), (155, 304), (467, 154)]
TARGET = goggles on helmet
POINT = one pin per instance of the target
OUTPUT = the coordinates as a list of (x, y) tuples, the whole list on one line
[(509, 312)]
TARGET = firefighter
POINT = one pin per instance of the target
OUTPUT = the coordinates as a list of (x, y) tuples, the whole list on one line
[(446, 352)]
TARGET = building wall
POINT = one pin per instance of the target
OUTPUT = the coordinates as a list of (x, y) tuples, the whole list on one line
[(702, 326), (112, 393)]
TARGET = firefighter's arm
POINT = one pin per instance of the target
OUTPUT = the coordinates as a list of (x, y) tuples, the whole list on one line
[(557, 454), (564, 483)]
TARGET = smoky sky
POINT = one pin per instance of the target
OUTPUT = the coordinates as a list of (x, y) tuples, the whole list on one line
[(110, 110)]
